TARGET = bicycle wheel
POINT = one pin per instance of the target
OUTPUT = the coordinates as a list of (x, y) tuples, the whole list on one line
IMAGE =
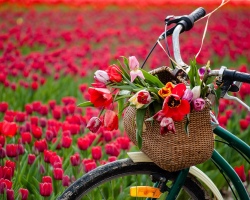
[(113, 181)]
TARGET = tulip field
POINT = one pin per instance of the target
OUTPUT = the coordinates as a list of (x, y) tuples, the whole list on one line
[(48, 55)]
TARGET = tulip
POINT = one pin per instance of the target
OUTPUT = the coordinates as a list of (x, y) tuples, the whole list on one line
[(188, 95), (46, 179), (114, 74), (31, 159), (45, 189), (8, 128), (96, 152), (2, 152), (26, 137), (7, 172), (140, 99), (94, 124), (28, 109), (196, 92), (198, 104), (110, 120), (2, 140), (101, 76), (107, 135), (66, 181), (75, 159), (66, 142), (58, 173), (11, 150), (112, 158), (143, 97), (47, 155), (24, 193), (3, 107), (83, 143), (241, 172), (244, 124), (166, 90), (123, 142), (10, 194), (41, 145), (167, 126), (112, 149), (36, 131), (90, 166), (134, 66), (100, 97)]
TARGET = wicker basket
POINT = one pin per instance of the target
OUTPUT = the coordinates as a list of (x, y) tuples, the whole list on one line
[(177, 151)]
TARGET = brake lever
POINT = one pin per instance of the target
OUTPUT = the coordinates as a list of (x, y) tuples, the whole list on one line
[(229, 97)]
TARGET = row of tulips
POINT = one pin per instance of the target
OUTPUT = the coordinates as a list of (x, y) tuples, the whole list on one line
[(44, 73)]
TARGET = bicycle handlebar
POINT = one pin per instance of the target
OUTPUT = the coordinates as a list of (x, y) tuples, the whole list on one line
[(233, 75)]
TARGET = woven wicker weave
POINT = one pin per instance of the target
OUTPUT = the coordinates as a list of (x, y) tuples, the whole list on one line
[(177, 151)]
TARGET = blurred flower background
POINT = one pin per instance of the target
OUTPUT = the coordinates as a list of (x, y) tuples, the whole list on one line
[(49, 50)]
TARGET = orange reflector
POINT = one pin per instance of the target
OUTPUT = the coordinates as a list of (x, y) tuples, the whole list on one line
[(145, 191)]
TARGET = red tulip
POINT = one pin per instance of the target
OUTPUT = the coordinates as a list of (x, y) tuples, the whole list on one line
[(114, 74), (10, 194), (110, 120), (241, 172), (75, 159), (7, 173), (100, 97), (66, 142), (26, 137), (20, 116), (58, 173), (11, 150), (2, 152), (24, 193), (112, 149), (29, 109), (2, 140), (36, 131), (123, 142), (112, 158), (41, 145), (45, 189), (244, 124), (89, 166), (8, 128), (5, 184), (31, 159), (3, 107), (46, 179), (56, 113), (47, 155), (96, 152), (94, 124), (36, 105), (34, 85), (66, 181), (83, 143), (52, 104)]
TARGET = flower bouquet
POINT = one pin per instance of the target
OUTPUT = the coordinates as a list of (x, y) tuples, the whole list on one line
[(166, 115)]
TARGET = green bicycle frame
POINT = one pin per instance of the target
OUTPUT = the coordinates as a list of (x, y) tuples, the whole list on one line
[(222, 164)]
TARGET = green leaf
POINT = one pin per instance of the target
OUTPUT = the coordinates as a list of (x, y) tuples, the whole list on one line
[(123, 87), (217, 93), (140, 114), (86, 104), (152, 80)]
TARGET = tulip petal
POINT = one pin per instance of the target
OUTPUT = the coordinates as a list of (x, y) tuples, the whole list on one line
[(179, 89)]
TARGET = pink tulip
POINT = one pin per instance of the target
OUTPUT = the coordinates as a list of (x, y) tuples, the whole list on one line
[(134, 66)]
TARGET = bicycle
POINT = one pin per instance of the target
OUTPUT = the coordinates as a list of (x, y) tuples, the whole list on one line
[(157, 182)]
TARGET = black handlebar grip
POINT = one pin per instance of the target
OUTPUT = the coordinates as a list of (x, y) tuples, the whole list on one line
[(187, 21), (233, 75), (197, 14)]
